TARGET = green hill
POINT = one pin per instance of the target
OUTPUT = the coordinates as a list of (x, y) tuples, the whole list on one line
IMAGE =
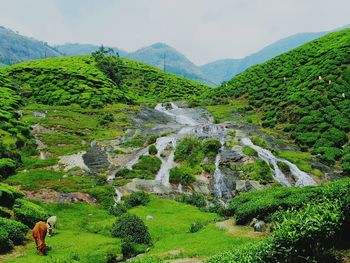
[(304, 92), (68, 80)]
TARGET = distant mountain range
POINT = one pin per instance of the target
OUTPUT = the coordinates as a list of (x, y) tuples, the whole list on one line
[(15, 48)]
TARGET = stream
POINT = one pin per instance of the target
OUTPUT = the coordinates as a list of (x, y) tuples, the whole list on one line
[(193, 123)]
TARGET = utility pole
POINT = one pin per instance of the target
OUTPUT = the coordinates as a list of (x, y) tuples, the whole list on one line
[(164, 67)]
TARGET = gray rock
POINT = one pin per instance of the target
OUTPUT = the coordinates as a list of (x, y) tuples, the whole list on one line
[(230, 156), (258, 225), (247, 185), (37, 114), (149, 217), (96, 158)]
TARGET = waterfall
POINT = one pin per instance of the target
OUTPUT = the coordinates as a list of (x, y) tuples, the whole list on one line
[(134, 160), (302, 178)]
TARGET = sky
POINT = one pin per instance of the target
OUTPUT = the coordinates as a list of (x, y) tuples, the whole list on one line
[(203, 30)]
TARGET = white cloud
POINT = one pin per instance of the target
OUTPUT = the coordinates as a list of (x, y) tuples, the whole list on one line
[(204, 30)]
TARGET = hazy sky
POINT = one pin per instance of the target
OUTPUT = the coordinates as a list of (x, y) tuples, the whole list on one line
[(203, 30)]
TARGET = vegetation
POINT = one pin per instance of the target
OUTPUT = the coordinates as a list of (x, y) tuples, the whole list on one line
[(259, 171), (16, 231), (136, 199), (29, 213), (8, 195), (183, 174), (307, 97), (249, 151), (262, 204)]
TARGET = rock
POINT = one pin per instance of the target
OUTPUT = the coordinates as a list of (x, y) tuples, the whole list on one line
[(258, 225), (37, 114), (38, 129), (74, 160), (96, 158), (230, 156), (149, 217), (247, 185)]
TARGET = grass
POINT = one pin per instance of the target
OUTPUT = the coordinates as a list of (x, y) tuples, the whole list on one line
[(82, 233), (71, 126), (235, 110), (302, 160), (170, 230)]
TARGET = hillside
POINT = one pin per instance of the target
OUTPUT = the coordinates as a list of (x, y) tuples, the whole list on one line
[(67, 80), (223, 70), (305, 92), (15, 48), (153, 55)]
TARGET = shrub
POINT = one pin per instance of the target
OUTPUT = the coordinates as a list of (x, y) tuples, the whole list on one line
[(16, 230), (196, 199), (8, 195), (259, 171), (132, 228), (283, 167), (136, 198), (106, 119), (183, 175), (7, 167), (189, 149), (152, 150), (195, 227), (249, 151), (5, 243), (152, 139), (5, 212), (148, 163), (118, 209), (29, 213), (211, 147)]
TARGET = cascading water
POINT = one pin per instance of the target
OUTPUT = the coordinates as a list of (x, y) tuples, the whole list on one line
[(134, 160), (302, 178)]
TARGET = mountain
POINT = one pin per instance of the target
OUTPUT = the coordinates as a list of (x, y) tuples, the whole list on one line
[(15, 48), (306, 93), (154, 55), (74, 49), (223, 70)]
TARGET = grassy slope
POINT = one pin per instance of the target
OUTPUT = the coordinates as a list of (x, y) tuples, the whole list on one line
[(67, 80), (305, 92), (83, 232)]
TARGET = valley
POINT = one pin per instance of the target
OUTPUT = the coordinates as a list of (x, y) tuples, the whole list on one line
[(143, 165)]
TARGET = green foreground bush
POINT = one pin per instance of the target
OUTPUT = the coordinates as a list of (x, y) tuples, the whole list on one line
[(29, 213)]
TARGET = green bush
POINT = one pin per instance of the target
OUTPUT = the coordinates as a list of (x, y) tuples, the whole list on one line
[(136, 199), (195, 199), (131, 249), (8, 195), (16, 230), (259, 171), (189, 149), (29, 213), (118, 209), (148, 163), (132, 228), (152, 150), (183, 175), (7, 167), (249, 151), (5, 242), (5, 212), (283, 167), (211, 147), (195, 227)]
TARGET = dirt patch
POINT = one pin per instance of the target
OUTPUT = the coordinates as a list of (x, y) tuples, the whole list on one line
[(185, 260), (242, 231), (52, 196)]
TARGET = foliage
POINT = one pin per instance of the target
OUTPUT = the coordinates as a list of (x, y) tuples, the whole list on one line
[(118, 209), (211, 147), (283, 167), (262, 204), (308, 95), (183, 174), (249, 151), (195, 227), (189, 149), (259, 171), (152, 150), (195, 199), (16, 231), (132, 228), (5, 243), (29, 213), (8, 195), (136, 198), (149, 164)]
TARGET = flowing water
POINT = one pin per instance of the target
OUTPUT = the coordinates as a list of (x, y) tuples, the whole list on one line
[(193, 123), (302, 178)]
